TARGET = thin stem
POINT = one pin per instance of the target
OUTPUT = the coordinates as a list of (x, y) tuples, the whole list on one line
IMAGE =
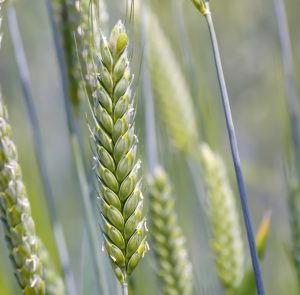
[(289, 78), (78, 154), (151, 144), (125, 289), (39, 151), (235, 154)]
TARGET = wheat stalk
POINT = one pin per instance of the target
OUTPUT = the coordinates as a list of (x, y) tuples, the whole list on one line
[(203, 7), (170, 88), (54, 283), (124, 228), (174, 267), (16, 216), (227, 242)]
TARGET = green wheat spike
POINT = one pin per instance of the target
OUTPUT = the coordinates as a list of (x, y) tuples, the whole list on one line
[(117, 166), (16, 216), (174, 267), (226, 243)]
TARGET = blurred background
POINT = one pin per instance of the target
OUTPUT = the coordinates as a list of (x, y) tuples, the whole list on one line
[(250, 50)]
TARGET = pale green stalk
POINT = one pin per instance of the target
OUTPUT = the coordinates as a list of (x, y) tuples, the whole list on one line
[(116, 164), (226, 241), (173, 266), (16, 215), (203, 7)]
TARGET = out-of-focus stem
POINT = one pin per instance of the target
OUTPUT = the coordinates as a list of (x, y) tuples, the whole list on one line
[(289, 78), (78, 155), (151, 144), (235, 153), (25, 81)]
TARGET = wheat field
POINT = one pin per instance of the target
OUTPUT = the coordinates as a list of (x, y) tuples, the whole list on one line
[(131, 162)]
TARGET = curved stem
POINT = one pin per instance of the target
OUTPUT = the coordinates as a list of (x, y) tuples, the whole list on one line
[(25, 81), (235, 155)]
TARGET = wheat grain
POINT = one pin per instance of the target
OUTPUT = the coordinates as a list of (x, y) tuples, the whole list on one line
[(171, 90), (174, 267), (124, 228), (227, 242), (16, 216)]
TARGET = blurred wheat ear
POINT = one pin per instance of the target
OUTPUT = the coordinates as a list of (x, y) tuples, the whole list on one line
[(54, 283), (16, 216), (227, 241), (173, 266), (116, 164), (171, 90)]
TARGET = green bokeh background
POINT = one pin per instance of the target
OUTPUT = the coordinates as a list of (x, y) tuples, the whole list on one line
[(250, 51)]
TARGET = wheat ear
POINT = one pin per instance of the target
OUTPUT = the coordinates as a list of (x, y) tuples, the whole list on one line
[(124, 228), (54, 283), (174, 267), (170, 88), (227, 242), (16, 216)]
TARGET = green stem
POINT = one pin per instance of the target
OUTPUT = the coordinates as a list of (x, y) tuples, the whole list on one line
[(235, 153)]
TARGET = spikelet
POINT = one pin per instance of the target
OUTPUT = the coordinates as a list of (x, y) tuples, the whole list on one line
[(174, 267), (201, 5), (16, 216), (171, 90), (54, 283), (227, 243), (117, 167)]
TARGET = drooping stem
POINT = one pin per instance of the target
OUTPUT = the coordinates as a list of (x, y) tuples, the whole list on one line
[(25, 81), (78, 155), (289, 78), (235, 154)]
